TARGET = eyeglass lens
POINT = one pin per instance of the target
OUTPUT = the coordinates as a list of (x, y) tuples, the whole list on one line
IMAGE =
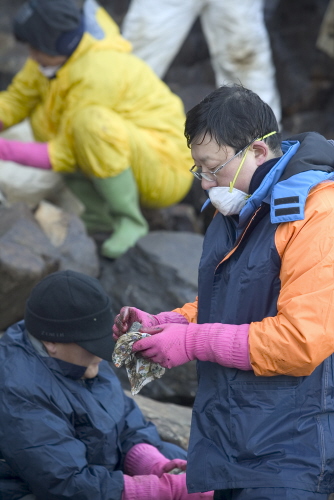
[(197, 171)]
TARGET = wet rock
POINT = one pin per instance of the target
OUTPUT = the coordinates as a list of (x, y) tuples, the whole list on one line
[(158, 274), (26, 256), (27, 253), (67, 233), (172, 421), (181, 217)]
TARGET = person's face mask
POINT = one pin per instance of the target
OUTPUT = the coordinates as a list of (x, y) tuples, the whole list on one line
[(49, 71), (229, 200)]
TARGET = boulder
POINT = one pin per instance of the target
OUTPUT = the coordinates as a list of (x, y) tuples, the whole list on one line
[(68, 234), (172, 421), (26, 256), (181, 217), (27, 253), (158, 274)]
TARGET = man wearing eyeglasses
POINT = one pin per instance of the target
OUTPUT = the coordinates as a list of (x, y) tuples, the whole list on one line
[(262, 326)]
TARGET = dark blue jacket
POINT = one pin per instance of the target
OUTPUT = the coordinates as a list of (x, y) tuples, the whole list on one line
[(253, 431), (60, 437)]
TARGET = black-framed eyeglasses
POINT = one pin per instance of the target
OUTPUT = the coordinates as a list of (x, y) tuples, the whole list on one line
[(211, 176)]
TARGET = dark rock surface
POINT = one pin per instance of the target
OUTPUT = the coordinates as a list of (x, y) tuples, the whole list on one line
[(158, 274), (68, 234), (27, 254), (172, 421)]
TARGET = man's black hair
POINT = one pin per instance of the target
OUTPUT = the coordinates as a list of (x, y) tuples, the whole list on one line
[(233, 116)]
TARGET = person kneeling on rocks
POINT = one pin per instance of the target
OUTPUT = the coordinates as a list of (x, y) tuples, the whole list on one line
[(67, 430), (100, 116)]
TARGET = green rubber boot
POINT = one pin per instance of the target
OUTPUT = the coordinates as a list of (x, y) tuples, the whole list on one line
[(96, 215), (121, 195)]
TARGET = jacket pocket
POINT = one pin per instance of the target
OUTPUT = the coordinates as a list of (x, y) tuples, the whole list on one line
[(262, 420)]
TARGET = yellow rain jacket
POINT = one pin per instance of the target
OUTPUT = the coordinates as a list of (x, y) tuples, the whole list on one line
[(105, 111)]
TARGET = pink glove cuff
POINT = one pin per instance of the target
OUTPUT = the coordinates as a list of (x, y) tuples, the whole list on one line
[(141, 458), (170, 317), (140, 487), (33, 154), (151, 487), (220, 343)]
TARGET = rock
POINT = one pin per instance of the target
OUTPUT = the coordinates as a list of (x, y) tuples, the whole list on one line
[(180, 217), (27, 253), (67, 233), (191, 94), (172, 421), (158, 274), (12, 53), (26, 256), (304, 122), (304, 73)]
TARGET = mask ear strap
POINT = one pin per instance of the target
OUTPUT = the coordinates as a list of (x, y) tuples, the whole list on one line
[(244, 158), (238, 171), (265, 136)]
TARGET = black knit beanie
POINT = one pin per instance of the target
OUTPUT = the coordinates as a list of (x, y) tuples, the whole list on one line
[(54, 27), (68, 306)]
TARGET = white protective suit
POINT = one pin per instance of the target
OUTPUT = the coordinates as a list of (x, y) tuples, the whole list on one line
[(235, 31)]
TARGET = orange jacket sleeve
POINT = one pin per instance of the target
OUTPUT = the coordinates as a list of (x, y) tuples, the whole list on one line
[(189, 311), (301, 336)]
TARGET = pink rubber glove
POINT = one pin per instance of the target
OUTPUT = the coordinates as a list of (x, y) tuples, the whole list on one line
[(173, 344), (129, 315), (144, 459), (166, 487), (32, 154)]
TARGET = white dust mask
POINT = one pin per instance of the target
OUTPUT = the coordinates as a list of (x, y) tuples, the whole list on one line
[(226, 201), (49, 71), (229, 200)]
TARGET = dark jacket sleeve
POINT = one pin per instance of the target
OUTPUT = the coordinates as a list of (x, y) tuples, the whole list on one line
[(35, 437), (137, 429)]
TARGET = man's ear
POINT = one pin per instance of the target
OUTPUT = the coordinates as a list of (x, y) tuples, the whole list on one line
[(51, 347), (261, 152)]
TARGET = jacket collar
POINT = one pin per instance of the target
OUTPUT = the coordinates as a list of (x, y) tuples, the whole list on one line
[(66, 369), (305, 163)]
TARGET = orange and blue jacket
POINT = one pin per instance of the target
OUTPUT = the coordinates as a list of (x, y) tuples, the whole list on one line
[(274, 270)]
